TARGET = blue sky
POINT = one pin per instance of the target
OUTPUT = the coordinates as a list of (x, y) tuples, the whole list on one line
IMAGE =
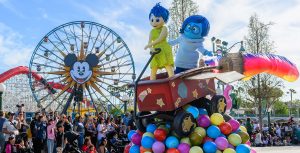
[(24, 23)]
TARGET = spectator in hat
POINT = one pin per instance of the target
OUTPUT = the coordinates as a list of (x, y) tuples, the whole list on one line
[(2, 137), (10, 127), (20, 109)]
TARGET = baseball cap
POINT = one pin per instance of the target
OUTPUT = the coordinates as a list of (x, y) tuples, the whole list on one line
[(10, 113)]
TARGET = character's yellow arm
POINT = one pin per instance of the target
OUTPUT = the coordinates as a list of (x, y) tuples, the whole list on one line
[(163, 35)]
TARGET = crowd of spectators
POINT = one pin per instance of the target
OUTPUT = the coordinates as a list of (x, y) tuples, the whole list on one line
[(278, 134), (56, 133)]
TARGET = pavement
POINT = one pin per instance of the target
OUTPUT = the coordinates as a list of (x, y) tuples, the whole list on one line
[(280, 149)]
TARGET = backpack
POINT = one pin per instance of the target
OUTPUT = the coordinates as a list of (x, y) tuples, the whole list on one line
[(41, 131)]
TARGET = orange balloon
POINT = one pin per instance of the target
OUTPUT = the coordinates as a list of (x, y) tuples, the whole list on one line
[(143, 150)]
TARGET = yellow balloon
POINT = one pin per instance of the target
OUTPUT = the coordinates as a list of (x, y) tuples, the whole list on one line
[(186, 140), (243, 128), (196, 149), (149, 134), (218, 151), (235, 139), (229, 150), (216, 119), (201, 131)]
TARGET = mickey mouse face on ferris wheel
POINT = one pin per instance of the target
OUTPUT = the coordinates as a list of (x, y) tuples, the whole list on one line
[(81, 70)]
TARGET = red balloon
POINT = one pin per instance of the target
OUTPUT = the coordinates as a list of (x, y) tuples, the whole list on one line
[(139, 132), (205, 139), (126, 149), (225, 128), (160, 134), (172, 150)]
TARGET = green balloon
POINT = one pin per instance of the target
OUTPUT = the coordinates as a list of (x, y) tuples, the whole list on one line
[(244, 136), (201, 131), (229, 150), (149, 134), (196, 139), (186, 140), (234, 139), (196, 149)]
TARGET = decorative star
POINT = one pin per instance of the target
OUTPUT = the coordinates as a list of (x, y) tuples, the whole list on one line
[(173, 84), (187, 124), (195, 93), (160, 102), (149, 90), (177, 102), (221, 105)]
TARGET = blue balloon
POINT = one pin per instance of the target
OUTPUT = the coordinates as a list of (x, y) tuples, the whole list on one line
[(209, 147), (222, 135), (130, 133), (134, 149), (172, 142), (193, 110), (213, 131), (147, 142), (202, 111), (243, 148), (151, 128)]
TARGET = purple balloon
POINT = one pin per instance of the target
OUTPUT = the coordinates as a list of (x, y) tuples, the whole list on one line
[(230, 146), (203, 121), (183, 148), (221, 143), (158, 147), (234, 124), (136, 139)]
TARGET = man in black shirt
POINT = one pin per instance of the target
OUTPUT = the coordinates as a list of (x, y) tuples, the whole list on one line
[(60, 137), (33, 131)]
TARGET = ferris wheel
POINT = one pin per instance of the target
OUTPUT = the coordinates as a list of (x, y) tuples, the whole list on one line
[(81, 61)]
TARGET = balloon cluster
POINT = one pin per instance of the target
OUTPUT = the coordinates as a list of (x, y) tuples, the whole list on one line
[(215, 134)]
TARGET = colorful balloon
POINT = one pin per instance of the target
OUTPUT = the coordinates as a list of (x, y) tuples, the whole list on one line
[(234, 124), (193, 110), (172, 150), (216, 119), (234, 139), (243, 148), (158, 147), (126, 149), (221, 143), (151, 128), (209, 147), (202, 111), (205, 139), (225, 128), (253, 150), (134, 149), (160, 134), (186, 140), (213, 131), (136, 139), (229, 150), (243, 128), (203, 121), (144, 150), (195, 138), (183, 148), (172, 142), (148, 134), (130, 133), (147, 142), (196, 149), (244, 136), (201, 131)]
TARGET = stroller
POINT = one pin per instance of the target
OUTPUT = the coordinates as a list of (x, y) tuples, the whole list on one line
[(116, 145)]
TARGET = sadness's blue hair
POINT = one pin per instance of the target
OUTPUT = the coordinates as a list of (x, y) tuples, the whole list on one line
[(197, 19), (160, 11)]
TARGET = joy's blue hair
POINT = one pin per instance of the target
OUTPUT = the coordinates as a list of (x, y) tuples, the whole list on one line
[(160, 11), (197, 19)]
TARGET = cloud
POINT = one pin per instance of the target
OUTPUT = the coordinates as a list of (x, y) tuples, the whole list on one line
[(13, 52)]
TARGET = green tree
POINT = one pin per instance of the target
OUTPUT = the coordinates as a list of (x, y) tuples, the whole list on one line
[(280, 108), (262, 87)]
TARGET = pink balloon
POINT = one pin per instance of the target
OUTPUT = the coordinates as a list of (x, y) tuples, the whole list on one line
[(226, 94), (248, 143), (203, 121), (158, 147), (136, 139), (221, 143), (234, 124), (253, 150), (183, 148)]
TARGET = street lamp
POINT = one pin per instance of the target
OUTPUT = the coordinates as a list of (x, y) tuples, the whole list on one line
[(291, 91), (2, 89), (125, 99), (269, 123)]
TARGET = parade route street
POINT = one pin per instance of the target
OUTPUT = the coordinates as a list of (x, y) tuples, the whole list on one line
[(280, 149)]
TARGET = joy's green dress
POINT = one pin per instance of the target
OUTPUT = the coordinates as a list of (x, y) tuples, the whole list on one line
[(165, 57)]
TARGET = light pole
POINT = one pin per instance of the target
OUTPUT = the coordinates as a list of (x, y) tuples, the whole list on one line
[(125, 99), (2, 89), (269, 122), (291, 92)]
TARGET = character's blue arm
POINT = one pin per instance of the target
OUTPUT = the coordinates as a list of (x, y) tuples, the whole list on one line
[(204, 52), (174, 42)]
